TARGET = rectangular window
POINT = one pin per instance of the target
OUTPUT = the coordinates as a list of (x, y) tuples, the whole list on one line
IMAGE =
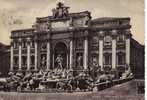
[(32, 60), (79, 44), (121, 58), (15, 60), (24, 60), (107, 59)]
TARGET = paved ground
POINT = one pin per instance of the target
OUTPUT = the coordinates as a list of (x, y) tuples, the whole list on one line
[(125, 91)]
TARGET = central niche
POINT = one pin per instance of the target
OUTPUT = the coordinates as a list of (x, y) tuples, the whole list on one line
[(60, 52)]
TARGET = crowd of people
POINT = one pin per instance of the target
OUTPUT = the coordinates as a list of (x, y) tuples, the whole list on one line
[(58, 79)]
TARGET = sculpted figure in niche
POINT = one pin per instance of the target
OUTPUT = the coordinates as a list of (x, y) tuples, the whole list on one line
[(59, 61), (94, 61), (79, 61), (43, 62)]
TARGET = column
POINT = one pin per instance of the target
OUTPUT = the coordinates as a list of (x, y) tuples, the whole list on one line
[(128, 51), (20, 54), (36, 55), (11, 57), (48, 55), (53, 61), (67, 61), (86, 53), (128, 34), (101, 49), (114, 32), (28, 54), (71, 54)]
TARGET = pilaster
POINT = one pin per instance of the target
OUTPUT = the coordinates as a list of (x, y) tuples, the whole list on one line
[(101, 36), (11, 57), (28, 53), (114, 34), (20, 54), (48, 55), (127, 47)]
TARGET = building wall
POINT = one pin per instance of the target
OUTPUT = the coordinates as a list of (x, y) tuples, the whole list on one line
[(4, 60), (137, 59), (84, 43)]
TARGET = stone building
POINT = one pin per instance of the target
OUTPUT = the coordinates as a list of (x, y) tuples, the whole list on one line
[(73, 41), (4, 59), (137, 59)]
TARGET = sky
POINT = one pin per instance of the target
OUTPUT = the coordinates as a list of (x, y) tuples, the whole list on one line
[(21, 14)]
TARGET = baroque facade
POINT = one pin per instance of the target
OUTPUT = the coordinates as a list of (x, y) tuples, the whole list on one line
[(81, 42)]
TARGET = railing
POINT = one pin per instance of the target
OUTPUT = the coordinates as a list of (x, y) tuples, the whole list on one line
[(108, 84)]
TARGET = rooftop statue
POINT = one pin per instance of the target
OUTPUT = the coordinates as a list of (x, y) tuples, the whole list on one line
[(60, 11)]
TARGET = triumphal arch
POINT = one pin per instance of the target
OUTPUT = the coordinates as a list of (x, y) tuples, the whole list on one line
[(72, 41)]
